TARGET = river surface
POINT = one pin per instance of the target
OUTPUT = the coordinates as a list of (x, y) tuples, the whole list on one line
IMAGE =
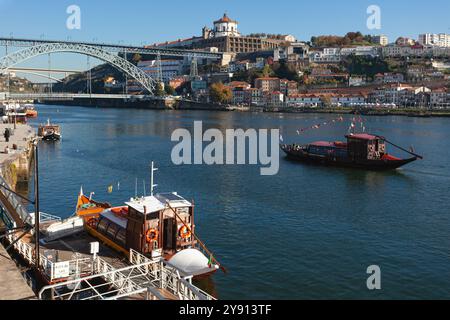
[(308, 232)]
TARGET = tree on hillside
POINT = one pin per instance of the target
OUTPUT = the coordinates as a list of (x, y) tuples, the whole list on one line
[(365, 65), (267, 71), (169, 90), (220, 93), (284, 70), (159, 92), (326, 101), (136, 58)]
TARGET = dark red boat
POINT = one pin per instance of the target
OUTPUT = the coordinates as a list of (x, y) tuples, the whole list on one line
[(361, 150)]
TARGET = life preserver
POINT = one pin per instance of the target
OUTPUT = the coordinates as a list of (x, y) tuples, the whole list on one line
[(120, 211), (184, 232), (151, 235), (92, 222)]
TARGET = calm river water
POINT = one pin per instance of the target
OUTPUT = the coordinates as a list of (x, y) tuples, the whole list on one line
[(307, 233)]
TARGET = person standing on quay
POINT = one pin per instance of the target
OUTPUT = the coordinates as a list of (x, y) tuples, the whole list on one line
[(7, 134)]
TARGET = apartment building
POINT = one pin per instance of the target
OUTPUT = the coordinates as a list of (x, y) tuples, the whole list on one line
[(268, 84)]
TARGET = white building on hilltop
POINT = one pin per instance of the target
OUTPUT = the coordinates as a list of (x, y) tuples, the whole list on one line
[(381, 40), (439, 40), (225, 27)]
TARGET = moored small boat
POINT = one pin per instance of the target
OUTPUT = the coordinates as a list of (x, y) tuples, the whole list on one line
[(361, 150), (30, 111), (49, 132), (159, 226)]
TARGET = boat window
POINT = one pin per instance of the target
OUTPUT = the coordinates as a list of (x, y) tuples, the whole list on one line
[(152, 216), (102, 225), (121, 237), (112, 230)]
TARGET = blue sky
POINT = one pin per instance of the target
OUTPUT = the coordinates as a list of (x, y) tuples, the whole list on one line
[(138, 22)]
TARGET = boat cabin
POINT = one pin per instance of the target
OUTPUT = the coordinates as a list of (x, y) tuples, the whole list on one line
[(365, 146), (159, 225)]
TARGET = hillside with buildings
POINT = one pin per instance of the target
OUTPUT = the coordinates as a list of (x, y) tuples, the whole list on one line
[(279, 71)]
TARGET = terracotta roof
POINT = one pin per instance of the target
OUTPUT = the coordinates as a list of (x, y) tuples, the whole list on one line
[(225, 18)]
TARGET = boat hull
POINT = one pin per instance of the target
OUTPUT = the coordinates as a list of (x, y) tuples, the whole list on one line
[(376, 165), (51, 137)]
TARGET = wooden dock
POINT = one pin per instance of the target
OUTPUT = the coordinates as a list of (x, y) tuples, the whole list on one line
[(12, 284)]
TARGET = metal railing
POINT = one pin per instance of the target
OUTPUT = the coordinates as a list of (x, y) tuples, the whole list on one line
[(76, 267), (15, 203), (167, 277), (145, 279), (115, 284)]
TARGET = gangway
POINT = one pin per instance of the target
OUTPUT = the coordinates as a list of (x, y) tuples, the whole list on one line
[(142, 279)]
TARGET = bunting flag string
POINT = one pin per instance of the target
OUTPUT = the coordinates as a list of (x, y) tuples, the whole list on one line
[(319, 125), (354, 123)]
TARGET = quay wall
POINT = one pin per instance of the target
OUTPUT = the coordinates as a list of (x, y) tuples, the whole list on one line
[(15, 170), (15, 165)]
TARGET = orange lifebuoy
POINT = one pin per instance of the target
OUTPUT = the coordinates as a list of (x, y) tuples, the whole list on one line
[(151, 235), (120, 211), (185, 232)]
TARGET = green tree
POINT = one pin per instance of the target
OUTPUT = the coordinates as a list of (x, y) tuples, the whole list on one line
[(267, 71), (284, 70), (326, 101), (136, 58), (159, 92), (220, 93), (169, 90)]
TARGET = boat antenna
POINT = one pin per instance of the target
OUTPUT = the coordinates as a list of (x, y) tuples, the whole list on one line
[(143, 183), (152, 185), (135, 188)]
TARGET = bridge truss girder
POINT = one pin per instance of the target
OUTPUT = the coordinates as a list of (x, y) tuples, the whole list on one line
[(134, 72)]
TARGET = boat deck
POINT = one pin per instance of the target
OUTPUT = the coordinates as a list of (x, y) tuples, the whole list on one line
[(78, 247)]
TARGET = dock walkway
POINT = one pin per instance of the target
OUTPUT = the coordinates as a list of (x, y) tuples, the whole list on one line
[(12, 284), (21, 137)]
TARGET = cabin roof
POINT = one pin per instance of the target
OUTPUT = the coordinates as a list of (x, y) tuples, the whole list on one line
[(322, 144), (362, 136), (108, 214), (157, 202)]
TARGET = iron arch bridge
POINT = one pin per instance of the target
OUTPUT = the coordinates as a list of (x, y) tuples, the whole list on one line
[(134, 72)]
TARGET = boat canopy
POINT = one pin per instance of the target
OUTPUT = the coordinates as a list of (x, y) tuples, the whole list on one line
[(362, 136), (111, 216), (192, 262), (158, 202)]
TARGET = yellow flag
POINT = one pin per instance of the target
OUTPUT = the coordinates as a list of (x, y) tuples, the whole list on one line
[(110, 189)]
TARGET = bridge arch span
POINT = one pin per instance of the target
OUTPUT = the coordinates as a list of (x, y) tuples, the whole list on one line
[(19, 56)]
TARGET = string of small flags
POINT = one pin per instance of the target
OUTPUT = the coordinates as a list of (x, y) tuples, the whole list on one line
[(317, 126), (354, 122)]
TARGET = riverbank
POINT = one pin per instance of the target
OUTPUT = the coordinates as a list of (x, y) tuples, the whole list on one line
[(171, 104)]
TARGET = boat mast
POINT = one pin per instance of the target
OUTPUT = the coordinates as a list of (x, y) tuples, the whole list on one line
[(152, 185)]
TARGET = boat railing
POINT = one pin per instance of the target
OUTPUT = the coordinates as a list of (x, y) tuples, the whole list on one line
[(45, 217), (75, 267), (167, 277), (115, 284), (200, 245), (149, 279)]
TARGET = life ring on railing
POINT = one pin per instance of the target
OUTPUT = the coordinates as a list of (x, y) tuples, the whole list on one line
[(151, 235), (184, 232), (92, 222)]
